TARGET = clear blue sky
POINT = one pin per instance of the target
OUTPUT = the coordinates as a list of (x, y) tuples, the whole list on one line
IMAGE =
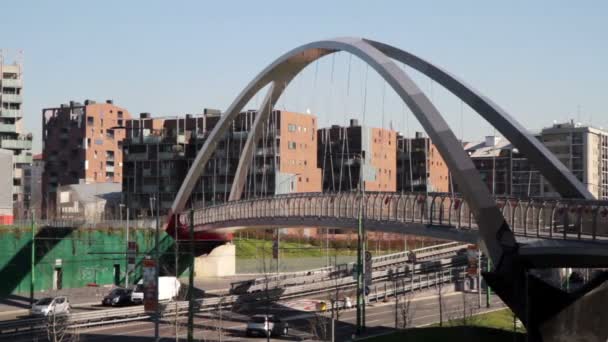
[(540, 60)]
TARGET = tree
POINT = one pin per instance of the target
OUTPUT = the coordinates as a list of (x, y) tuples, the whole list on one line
[(58, 328), (405, 310), (439, 289)]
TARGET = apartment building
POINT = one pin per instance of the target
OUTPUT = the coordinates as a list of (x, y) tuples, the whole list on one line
[(493, 159), (357, 155), (82, 143), (6, 187), (420, 167), (32, 189), (160, 150), (584, 150), (12, 136)]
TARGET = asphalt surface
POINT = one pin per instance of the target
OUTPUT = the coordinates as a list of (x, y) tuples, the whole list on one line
[(380, 318)]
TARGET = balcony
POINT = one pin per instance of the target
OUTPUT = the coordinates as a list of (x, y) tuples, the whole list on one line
[(152, 139), (17, 189), (109, 168), (10, 113), (137, 156), (167, 155), (12, 98), (12, 83), (149, 189), (13, 144), (22, 159), (10, 128)]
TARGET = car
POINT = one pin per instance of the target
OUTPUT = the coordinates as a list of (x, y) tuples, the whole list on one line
[(266, 325), (51, 306), (117, 296)]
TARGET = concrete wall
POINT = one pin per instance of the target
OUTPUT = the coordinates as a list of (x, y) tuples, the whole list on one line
[(221, 261), (83, 255)]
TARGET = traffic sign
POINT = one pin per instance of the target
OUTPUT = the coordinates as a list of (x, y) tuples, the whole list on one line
[(149, 282)]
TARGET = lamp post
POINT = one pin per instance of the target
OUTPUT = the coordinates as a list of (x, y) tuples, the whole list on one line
[(154, 204), (360, 254)]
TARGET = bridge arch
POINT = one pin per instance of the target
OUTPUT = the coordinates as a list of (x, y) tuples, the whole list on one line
[(495, 232)]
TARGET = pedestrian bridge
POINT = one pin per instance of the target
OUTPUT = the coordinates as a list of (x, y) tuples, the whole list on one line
[(570, 227)]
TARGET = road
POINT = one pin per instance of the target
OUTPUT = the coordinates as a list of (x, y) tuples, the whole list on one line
[(380, 318)]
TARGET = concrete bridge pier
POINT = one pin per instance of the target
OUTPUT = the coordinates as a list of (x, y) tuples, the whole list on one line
[(551, 314), (220, 262), (586, 319)]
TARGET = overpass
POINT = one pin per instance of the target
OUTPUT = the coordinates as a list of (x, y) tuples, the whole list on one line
[(499, 228)]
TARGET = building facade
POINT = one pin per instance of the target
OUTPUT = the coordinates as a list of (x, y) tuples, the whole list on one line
[(82, 143), (12, 136), (354, 156), (32, 189), (159, 152), (584, 150), (6, 186), (420, 167)]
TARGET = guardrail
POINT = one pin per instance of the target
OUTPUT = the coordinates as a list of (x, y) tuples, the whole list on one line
[(296, 278)]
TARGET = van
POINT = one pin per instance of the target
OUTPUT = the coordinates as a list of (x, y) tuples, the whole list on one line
[(168, 289)]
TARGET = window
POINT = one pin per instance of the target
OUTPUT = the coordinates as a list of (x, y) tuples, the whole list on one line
[(291, 127), (304, 129), (291, 145), (299, 128), (90, 120)]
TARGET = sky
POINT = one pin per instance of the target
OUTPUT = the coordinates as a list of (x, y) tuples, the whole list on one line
[(540, 60)]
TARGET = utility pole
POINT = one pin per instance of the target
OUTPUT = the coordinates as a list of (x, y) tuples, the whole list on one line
[(33, 261), (157, 259), (128, 237), (479, 276), (120, 206), (360, 257), (191, 282), (488, 290), (359, 267)]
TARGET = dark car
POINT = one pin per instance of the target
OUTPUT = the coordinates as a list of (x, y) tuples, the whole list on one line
[(266, 325), (118, 296)]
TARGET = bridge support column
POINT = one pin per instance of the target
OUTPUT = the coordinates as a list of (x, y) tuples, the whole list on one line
[(220, 262), (583, 320)]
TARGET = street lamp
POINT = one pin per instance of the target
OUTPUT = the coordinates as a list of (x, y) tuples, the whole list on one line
[(154, 203)]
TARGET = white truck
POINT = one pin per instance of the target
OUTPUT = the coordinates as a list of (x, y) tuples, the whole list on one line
[(168, 289)]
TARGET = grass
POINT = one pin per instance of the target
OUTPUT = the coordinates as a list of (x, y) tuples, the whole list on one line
[(436, 334), (494, 326), (254, 248)]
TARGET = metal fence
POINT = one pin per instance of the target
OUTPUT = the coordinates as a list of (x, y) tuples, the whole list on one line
[(544, 218)]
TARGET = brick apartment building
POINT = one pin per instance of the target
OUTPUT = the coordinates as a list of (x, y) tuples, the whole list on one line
[(159, 152), (420, 167), (341, 151), (82, 143)]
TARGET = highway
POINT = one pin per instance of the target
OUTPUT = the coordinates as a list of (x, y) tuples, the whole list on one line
[(380, 318)]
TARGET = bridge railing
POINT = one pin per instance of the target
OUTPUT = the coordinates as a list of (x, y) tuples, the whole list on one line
[(544, 218)]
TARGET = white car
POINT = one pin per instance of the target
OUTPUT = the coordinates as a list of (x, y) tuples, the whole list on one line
[(51, 305)]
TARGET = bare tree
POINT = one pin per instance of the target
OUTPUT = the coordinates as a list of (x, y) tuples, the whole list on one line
[(468, 309), (58, 330), (405, 310), (319, 327), (440, 290)]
